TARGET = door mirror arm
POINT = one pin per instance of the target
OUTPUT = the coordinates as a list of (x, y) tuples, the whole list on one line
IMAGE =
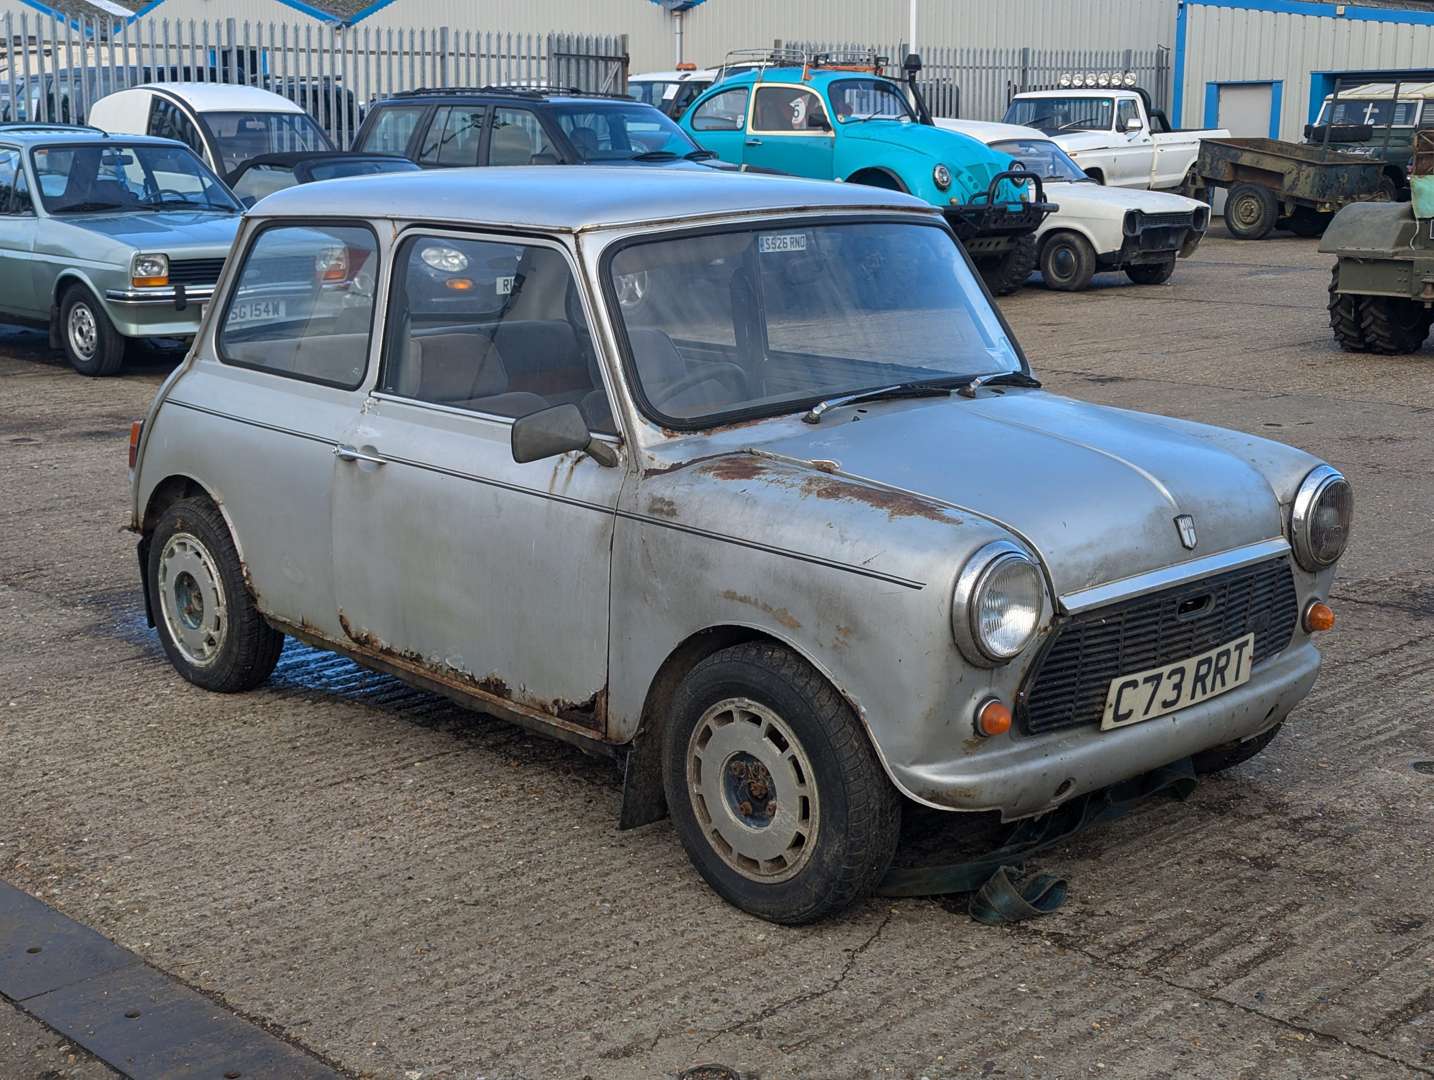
[(558, 430)]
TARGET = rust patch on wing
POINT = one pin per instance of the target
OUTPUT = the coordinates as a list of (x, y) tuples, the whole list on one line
[(897, 504), (782, 615), (590, 713), (736, 468), (661, 506), (492, 684)]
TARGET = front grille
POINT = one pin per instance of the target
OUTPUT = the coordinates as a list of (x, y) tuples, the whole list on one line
[(1067, 686), (195, 271), (1180, 219)]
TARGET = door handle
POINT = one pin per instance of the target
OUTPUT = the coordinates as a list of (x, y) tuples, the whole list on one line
[(754, 142), (348, 453)]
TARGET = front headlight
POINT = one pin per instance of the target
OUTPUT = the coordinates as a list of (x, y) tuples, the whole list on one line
[(1321, 518), (997, 606), (941, 176), (147, 271)]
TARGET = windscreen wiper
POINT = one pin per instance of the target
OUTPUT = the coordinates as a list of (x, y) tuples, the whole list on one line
[(655, 155), (700, 155), (900, 390), (997, 378)]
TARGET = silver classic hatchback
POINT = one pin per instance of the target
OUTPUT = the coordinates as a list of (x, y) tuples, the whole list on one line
[(743, 480)]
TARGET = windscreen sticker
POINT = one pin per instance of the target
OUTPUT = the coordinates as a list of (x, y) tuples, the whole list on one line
[(670, 91), (770, 243)]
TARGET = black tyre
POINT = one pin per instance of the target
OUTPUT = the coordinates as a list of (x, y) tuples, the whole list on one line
[(1220, 758), (92, 344), (1007, 272), (1392, 326), (208, 624), (774, 788), (1309, 223), (1067, 262), (1251, 212), (1151, 273), (1344, 317)]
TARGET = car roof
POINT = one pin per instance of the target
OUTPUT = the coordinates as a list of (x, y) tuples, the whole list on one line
[(1376, 91), (569, 200), (536, 94), (807, 76), (1078, 91), (224, 97), (69, 134), (675, 76)]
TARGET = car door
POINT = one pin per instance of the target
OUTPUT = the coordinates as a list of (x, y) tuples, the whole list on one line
[(518, 137), (17, 239), (484, 573), (788, 131), (454, 137), (719, 123), (292, 348), (1133, 151)]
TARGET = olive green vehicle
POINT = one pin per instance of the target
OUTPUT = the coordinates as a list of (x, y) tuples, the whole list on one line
[(1381, 295)]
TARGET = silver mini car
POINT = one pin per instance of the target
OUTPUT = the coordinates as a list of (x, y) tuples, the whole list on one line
[(743, 480)]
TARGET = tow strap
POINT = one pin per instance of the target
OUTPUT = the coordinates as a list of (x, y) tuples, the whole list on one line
[(1001, 892)]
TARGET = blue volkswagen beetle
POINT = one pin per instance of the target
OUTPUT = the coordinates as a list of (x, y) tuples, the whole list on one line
[(826, 119)]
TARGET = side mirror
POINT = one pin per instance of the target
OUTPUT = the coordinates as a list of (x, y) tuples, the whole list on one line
[(550, 432), (1133, 125)]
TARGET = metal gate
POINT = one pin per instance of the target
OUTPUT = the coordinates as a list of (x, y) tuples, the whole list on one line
[(52, 70)]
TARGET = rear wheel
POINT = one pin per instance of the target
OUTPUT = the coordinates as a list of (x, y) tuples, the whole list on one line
[(208, 624), (1008, 271), (1393, 326), (1067, 262), (1251, 212), (1344, 317), (1220, 758), (1151, 273), (92, 344), (774, 788)]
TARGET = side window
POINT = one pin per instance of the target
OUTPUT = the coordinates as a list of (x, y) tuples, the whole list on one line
[(10, 172), (453, 137), (392, 129), (303, 304), (1124, 112), (490, 327), (260, 180), (167, 121), (519, 139), (787, 109), (726, 111)]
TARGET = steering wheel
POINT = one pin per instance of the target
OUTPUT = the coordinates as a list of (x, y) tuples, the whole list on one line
[(160, 193), (719, 369)]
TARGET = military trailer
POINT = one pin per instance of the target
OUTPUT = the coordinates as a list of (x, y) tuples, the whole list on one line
[(1381, 293)]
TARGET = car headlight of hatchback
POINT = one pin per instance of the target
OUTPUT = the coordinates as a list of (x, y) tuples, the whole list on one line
[(997, 605), (147, 271), (941, 177), (1321, 518)]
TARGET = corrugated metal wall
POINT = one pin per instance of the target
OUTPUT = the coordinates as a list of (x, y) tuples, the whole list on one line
[(1232, 44)]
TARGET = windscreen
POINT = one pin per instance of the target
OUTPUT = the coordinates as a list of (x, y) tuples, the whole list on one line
[(869, 99), (115, 177), (239, 136), (1056, 115), (1044, 158), (770, 320), (607, 132)]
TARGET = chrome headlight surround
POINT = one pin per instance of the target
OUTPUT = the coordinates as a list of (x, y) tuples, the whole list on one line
[(1317, 539), (941, 177), (989, 565)]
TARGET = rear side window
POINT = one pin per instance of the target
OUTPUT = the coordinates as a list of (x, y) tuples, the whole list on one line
[(453, 137), (392, 129), (726, 111), (519, 139), (261, 180), (303, 304), (168, 121), (11, 176)]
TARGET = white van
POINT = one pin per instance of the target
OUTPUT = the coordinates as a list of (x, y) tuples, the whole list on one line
[(223, 123)]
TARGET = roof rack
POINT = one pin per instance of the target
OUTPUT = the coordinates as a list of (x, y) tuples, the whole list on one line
[(532, 92), (22, 125), (790, 56)]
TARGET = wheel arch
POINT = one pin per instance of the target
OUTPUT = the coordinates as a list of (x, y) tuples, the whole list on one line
[(63, 281), (643, 800), (161, 497), (879, 176), (1097, 174), (1045, 238)]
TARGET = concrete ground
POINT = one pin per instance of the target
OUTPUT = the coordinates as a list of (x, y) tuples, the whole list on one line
[(414, 891)]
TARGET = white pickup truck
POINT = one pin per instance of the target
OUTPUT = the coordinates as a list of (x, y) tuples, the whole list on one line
[(1114, 134)]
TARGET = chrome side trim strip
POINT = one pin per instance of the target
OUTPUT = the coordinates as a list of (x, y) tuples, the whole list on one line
[(1166, 576)]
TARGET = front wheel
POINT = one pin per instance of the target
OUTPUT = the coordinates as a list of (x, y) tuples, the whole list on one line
[(1345, 318), (1067, 262), (92, 344), (1220, 758), (1008, 271), (1157, 273), (208, 624), (1251, 212), (774, 788), (1393, 326)]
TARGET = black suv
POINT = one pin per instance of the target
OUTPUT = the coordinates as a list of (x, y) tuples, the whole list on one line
[(499, 125)]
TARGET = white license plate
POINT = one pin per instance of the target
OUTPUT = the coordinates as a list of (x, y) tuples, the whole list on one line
[(1145, 695), (774, 242), (251, 311)]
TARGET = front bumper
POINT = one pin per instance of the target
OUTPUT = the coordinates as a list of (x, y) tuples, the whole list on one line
[(166, 312), (1155, 241), (1027, 776), (988, 224)]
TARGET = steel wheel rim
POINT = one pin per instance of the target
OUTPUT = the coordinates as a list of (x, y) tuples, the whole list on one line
[(1063, 263), (753, 790), (1247, 210), (191, 599), (83, 331)]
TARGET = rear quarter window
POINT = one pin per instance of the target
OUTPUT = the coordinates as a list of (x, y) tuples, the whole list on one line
[(302, 306)]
